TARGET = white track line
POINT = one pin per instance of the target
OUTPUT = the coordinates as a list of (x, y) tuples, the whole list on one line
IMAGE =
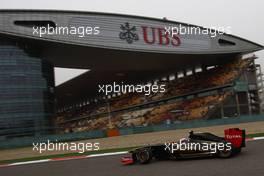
[(107, 154), (258, 138), (30, 162), (88, 156)]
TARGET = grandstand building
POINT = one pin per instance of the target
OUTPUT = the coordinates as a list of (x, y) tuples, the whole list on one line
[(205, 77), (260, 84)]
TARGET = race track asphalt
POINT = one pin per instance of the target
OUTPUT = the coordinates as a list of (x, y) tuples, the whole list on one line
[(249, 163)]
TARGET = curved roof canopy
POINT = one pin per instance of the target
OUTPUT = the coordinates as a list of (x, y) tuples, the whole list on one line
[(140, 48)]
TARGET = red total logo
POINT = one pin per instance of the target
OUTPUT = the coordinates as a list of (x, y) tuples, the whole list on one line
[(233, 136)]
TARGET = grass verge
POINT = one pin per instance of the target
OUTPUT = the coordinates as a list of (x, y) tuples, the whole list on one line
[(255, 135)]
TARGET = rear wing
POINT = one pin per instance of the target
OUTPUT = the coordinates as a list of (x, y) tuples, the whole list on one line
[(236, 137)]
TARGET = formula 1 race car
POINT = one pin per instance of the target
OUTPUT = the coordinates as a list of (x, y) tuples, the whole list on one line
[(196, 145)]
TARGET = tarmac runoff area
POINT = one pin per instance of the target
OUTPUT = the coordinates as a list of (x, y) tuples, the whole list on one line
[(249, 162)]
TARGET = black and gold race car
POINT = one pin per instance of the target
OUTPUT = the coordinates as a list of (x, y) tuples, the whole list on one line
[(196, 145)]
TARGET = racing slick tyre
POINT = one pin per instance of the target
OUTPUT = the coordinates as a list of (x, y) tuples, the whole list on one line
[(144, 155), (225, 153)]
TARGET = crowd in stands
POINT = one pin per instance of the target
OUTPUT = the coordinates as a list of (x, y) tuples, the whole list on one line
[(113, 114), (189, 110)]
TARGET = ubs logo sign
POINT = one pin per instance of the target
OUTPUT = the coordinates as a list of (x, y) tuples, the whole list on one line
[(128, 33), (150, 35)]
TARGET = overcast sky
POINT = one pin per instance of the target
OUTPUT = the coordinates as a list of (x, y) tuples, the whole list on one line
[(246, 17)]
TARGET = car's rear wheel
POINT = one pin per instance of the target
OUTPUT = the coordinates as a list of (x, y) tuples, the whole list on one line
[(144, 156), (225, 153)]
